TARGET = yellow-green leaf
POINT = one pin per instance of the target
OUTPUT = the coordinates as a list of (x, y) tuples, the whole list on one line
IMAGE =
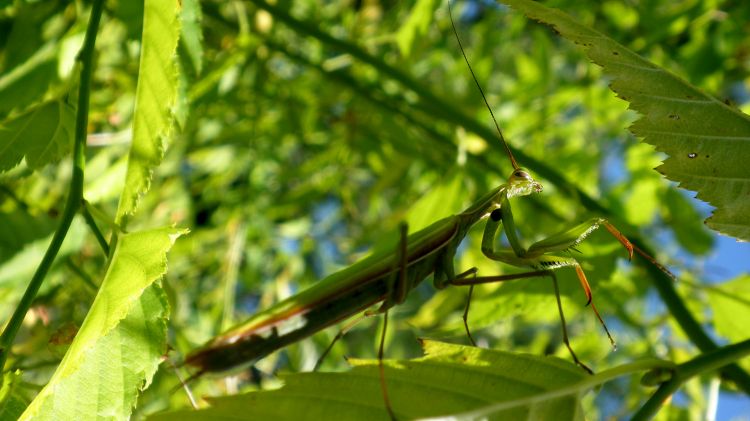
[(156, 96), (121, 341), (417, 24), (12, 401)]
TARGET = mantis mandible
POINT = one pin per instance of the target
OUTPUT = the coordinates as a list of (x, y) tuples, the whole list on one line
[(387, 276)]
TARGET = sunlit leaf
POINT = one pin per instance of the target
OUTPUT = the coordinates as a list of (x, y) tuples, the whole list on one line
[(450, 379), (12, 402), (156, 97), (730, 302), (419, 21), (121, 342)]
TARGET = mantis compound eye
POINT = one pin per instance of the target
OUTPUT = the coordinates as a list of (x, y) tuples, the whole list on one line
[(521, 173)]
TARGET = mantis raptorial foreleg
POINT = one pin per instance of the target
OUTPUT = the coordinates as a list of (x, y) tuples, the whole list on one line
[(537, 255)]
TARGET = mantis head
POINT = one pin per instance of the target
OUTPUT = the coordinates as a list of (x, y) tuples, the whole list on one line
[(520, 183)]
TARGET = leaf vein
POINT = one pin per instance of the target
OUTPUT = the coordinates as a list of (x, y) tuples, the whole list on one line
[(694, 135), (686, 175), (673, 99)]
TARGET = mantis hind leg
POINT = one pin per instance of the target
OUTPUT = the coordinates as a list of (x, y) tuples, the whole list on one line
[(397, 291), (400, 289), (566, 341), (343, 331), (550, 262)]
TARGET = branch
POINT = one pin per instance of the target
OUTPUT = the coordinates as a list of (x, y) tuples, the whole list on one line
[(704, 363), (94, 228)]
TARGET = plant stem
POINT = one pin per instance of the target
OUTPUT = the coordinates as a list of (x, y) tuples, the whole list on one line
[(85, 56), (701, 364), (665, 286), (586, 383), (95, 229), (81, 274)]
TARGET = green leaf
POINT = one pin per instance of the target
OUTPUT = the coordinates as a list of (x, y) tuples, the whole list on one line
[(685, 221), (192, 36), (437, 203), (19, 228), (121, 341), (706, 140), (29, 65), (42, 134), (12, 402), (156, 96), (730, 302), (417, 24), (15, 272), (450, 379)]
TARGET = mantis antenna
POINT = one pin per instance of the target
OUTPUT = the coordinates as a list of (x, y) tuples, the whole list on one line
[(481, 91)]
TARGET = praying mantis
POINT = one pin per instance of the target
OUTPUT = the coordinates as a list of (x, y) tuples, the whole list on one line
[(388, 275), (374, 279)]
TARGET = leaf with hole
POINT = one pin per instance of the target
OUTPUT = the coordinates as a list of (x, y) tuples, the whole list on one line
[(707, 141)]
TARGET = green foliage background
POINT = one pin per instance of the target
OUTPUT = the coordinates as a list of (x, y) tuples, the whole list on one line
[(303, 136)]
